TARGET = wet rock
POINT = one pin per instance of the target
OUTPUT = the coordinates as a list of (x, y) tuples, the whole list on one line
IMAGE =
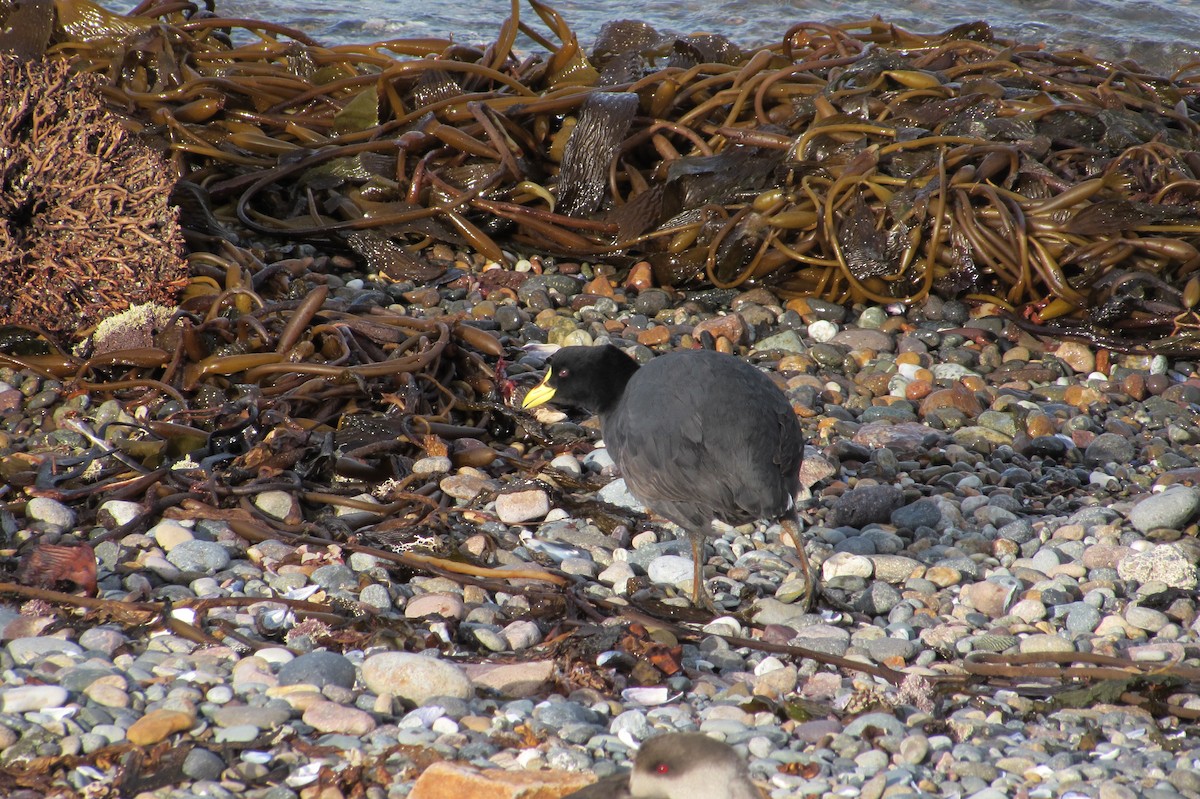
[(1109, 448)]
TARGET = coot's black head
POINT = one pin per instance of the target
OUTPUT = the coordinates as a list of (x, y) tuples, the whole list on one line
[(591, 378)]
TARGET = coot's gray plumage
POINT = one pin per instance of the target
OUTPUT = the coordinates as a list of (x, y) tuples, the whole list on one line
[(698, 435)]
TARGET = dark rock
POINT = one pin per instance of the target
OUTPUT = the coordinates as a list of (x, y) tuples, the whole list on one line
[(865, 505), (319, 669), (878, 599), (1108, 448), (922, 513)]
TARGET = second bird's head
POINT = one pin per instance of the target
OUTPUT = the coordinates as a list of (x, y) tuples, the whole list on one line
[(590, 378)]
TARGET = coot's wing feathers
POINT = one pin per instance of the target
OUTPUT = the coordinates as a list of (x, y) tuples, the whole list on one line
[(690, 437)]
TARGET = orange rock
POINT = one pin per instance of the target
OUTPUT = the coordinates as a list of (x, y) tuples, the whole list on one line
[(957, 396), (1002, 547), (455, 781), (888, 399), (918, 389), (799, 305), (1082, 397), (653, 336), (798, 363), (1076, 355), (599, 286), (1039, 424), (156, 725), (974, 383), (640, 276), (1134, 385)]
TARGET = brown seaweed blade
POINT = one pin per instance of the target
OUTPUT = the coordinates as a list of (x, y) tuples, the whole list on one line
[(604, 120)]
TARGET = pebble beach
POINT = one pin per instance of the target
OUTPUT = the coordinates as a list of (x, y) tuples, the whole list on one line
[(974, 494)]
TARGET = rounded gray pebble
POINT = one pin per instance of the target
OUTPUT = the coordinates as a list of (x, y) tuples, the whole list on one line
[(334, 577), (201, 764), (1082, 618), (319, 669), (1171, 509), (198, 557), (1108, 448)]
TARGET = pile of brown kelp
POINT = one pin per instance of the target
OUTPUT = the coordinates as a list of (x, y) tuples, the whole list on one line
[(856, 162), (86, 224)]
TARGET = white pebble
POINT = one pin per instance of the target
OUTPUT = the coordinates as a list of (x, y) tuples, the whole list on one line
[(568, 464), (670, 570), (32, 697), (432, 464), (517, 507), (118, 513), (822, 331)]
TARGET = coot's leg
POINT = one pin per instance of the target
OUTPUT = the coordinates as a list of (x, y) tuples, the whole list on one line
[(791, 526), (700, 595)]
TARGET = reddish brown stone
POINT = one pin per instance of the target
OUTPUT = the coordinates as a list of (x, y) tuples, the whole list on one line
[(640, 277), (918, 390), (957, 396), (731, 326), (455, 781), (654, 336)]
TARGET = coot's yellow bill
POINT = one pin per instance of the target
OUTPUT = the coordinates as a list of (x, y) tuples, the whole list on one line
[(540, 394)]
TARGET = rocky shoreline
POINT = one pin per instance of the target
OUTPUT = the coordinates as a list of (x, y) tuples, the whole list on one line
[(978, 496)]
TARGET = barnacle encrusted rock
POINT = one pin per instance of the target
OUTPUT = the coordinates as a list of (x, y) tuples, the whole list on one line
[(85, 225)]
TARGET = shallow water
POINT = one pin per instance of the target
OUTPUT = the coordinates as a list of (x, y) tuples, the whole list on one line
[(1162, 36)]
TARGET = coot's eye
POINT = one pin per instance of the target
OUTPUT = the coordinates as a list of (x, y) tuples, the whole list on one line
[(564, 372), (662, 768)]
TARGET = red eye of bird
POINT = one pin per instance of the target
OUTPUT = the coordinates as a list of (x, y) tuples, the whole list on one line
[(662, 768), (564, 373)]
